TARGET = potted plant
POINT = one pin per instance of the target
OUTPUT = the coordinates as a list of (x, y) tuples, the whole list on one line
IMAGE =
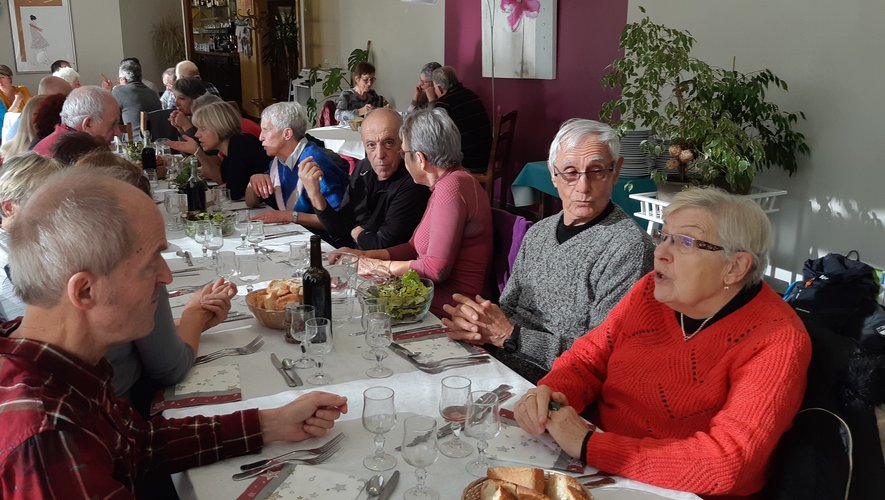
[(720, 127), (281, 42), (335, 78), (168, 41)]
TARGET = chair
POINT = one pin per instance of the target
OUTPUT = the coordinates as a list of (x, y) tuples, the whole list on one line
[(499, 158), (508, 231), (327, 114), (157, 122)]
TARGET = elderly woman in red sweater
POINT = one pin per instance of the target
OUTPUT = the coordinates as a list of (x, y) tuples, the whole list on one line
[(696, 373), (452, 245)]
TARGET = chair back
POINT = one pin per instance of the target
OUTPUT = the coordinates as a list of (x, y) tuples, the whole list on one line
[(508, 231), (327, 114), (157, 122), (499, 158)]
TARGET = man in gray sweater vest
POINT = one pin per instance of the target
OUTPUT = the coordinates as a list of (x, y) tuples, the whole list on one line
[(572, 267)]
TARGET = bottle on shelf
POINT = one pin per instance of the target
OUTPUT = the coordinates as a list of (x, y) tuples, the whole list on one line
[(195, 189), (317, 282)]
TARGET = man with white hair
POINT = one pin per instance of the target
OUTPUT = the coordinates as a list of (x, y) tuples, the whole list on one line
[(133, 95), (167, 100), (65, 434), (87, 109), (50, 85), (187, 69), (69, 75)]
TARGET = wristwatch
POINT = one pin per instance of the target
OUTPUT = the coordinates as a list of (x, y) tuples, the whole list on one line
[(294, 216), (511, 344)]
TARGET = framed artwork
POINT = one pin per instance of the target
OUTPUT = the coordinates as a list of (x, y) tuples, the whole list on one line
[(42, 32), (519, 39)]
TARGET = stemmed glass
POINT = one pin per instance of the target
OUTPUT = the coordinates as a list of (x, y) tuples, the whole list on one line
[(378, 337), (420, 451), (453, 408), (297, 316), (482, 423), (379, 417), (201, 230), (299, 257), (222, 199), (247, 270), (255, 234), (213, 239), (319, 330), (226, 264), (241, 224)]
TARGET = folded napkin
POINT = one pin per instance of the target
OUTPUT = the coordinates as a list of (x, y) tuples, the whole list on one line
[(435, 348), (204, 385), (296, 482), (516, 445)]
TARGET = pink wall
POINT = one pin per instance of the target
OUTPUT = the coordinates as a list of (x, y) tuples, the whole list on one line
[(587, 41)]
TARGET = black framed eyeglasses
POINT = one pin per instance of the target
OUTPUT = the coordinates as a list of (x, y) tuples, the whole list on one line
[(684, 242), (595, 174)]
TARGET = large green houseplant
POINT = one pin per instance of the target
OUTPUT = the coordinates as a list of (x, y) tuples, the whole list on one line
[(281, 41), (721, 128), (335, 79)]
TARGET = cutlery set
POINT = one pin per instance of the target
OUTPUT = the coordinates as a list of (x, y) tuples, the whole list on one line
[(292, 378), (442, 365), (249, 348)]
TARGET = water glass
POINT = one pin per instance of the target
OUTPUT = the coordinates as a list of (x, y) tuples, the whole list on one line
[(255, 234), (172, 203), (420, 451), (482, 423), (343, 273), (297, 316), (247, 270), (379, 418), (201, 228), (378, 337), (320, 332), (299, 257), (222, 198), (226, 264), (368, 305), (241, 224), (453, 408), (214, 238)]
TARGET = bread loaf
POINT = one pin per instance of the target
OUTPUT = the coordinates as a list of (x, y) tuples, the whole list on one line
[(528, 477), (527, 483), (277, 294)]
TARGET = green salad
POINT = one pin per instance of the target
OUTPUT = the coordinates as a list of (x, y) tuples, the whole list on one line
[(404, 296)]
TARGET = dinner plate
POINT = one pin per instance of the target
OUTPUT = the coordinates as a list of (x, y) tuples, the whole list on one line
[(620, 493)]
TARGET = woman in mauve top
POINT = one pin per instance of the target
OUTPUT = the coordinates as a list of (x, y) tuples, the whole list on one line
[(452, 246)]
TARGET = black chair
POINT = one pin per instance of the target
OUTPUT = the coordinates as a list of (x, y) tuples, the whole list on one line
[(157, 122)]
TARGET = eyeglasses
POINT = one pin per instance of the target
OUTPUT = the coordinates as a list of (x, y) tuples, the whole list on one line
[(596, 174), (684, 242), (387, 145), (367, 79)]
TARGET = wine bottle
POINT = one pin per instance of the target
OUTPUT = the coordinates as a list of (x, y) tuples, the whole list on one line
[(317, 282), (195, 189), (148, 153)]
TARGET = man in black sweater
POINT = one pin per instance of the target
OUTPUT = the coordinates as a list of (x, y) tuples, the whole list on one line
[(469, 114), (382, 205)]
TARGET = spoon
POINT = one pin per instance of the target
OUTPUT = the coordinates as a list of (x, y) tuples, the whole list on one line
[(289, 367), (374, 485), (288, 364)]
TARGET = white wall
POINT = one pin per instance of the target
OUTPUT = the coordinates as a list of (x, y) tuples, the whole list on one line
[(830, 53), (404, 37), (137, 19)]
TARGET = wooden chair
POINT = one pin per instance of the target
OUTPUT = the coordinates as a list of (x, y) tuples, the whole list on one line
[(127, 129), (499, 158)]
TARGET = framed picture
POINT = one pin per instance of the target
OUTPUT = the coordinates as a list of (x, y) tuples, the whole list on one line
[(519, 39), (42, 32)]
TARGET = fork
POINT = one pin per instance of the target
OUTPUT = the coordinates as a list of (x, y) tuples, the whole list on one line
[(437, 363), (249, 348), (319, 450), (239, 476), (440, 369)]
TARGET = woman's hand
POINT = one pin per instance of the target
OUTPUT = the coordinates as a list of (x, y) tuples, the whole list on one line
[(477, 321), (187, 145), (531, 410), (365, 109), (568, 429), (180, 121)]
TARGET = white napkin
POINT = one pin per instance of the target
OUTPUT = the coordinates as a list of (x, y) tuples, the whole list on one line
[(210, 378), (515, 445), (317, 484), (436, 348)]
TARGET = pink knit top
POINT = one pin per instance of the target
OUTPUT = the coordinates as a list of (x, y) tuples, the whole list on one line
[(702, 415), (452, 245)]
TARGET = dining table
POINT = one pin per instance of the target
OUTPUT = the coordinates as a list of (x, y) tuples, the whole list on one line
[(341, 139), (256, 383)]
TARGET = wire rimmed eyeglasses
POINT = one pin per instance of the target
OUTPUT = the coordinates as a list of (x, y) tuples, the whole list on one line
[(684, 242), (594, 174)]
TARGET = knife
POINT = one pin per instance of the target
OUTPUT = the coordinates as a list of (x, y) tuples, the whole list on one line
[(389, 486), (279, 366), (294, 375), (187, 258)]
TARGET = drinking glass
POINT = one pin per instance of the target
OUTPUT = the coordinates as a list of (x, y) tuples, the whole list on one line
[(343, 273), (213, 239), (241, 224), (420, 451), (453, 408), (222, 198), (247, 270), (379, 418), (201, 228), (255, 234), (378, 337), (299, 257), (151, 175), (320, 332), (297, 316), (172, 204), (226, 264), (482, 423), (368, 305)]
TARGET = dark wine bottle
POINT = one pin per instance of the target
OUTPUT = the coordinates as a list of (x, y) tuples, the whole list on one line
[(317, 282), (195, 189), (148, 153)]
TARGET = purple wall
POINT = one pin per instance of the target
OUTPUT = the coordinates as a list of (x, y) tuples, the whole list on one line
[(587, 42)]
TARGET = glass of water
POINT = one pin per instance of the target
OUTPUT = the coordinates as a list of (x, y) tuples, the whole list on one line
[(299, 257), (247, 270), (378, 337), (343, 273)]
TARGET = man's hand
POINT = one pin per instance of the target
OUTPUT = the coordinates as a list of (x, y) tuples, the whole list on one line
[(310, 175), (214, 298), (261, 185), (188, 145), (105, 82), (532, 409), (275, 216), (311, 415), (477, 321)]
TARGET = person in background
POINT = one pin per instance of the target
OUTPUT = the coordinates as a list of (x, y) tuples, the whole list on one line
[(546, 305), (73, 145), (54, 85), (696, 373), (47, 117), (187, 69), (14, 97), (167, 100), (69, 75), (424, 90), (132, 95), (469, 114), (186, 91), (382, 205), (48, 85), (52, 367), (58, 64), (283, 126), (25, 132), (452, 245), (361, 98), (86, 109)]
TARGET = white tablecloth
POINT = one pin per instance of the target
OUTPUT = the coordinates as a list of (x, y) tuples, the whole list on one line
[(342, 140)]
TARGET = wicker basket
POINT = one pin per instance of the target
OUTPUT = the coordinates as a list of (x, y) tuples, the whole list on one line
[(472, 491), (267, 317)]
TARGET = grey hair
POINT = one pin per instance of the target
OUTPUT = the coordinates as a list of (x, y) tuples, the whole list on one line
[(428, 69), (741, 224), (55, 234), (444, 77), (23, 174), (432, 132), (130, 70), (68, 74), (84, 102), (574, 130), (170, 72), (203, 100), (186, 69), (283, 115)]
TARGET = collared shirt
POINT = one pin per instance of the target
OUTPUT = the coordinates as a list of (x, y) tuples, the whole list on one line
[(65, 434), (284, 178), (167, 100), (44, 147)]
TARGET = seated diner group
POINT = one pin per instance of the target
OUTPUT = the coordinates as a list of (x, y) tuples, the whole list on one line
[(673, 362)]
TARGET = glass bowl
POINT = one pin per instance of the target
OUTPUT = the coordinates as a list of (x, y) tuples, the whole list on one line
[(399, 313)]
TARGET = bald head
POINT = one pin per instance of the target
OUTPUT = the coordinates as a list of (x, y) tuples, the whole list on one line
[(380, 134), (50, 85), (383, 117), (186, 69)]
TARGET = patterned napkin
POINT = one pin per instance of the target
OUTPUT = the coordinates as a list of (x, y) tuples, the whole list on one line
[(203, 385), (434, 345), (302, 482), (515, 445)]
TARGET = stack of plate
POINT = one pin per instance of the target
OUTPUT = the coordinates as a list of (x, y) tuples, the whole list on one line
[(636, 162)]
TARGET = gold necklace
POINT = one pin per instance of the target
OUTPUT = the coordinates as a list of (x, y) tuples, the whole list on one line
[(686, 336)]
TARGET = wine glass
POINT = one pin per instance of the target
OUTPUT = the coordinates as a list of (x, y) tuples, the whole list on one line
[(172, 204), (420, 451), (299, 257), (201, 227), (226, 264), (297, 316), (255, 234), (247, 270), (222, 198), (379, 417), (453, 408), (241, 224), (482, 423), (320, 332), (213, 239), (378, 337)]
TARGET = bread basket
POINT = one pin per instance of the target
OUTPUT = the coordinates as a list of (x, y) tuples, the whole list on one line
[(472, 491), (267, 317)]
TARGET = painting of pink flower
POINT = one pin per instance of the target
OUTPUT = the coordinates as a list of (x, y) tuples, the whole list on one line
[(516, 9)]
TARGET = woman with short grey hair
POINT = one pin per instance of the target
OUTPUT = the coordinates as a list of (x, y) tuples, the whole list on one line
[(452, 246)]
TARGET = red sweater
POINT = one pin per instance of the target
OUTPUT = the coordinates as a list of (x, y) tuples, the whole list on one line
[(701, 416)]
